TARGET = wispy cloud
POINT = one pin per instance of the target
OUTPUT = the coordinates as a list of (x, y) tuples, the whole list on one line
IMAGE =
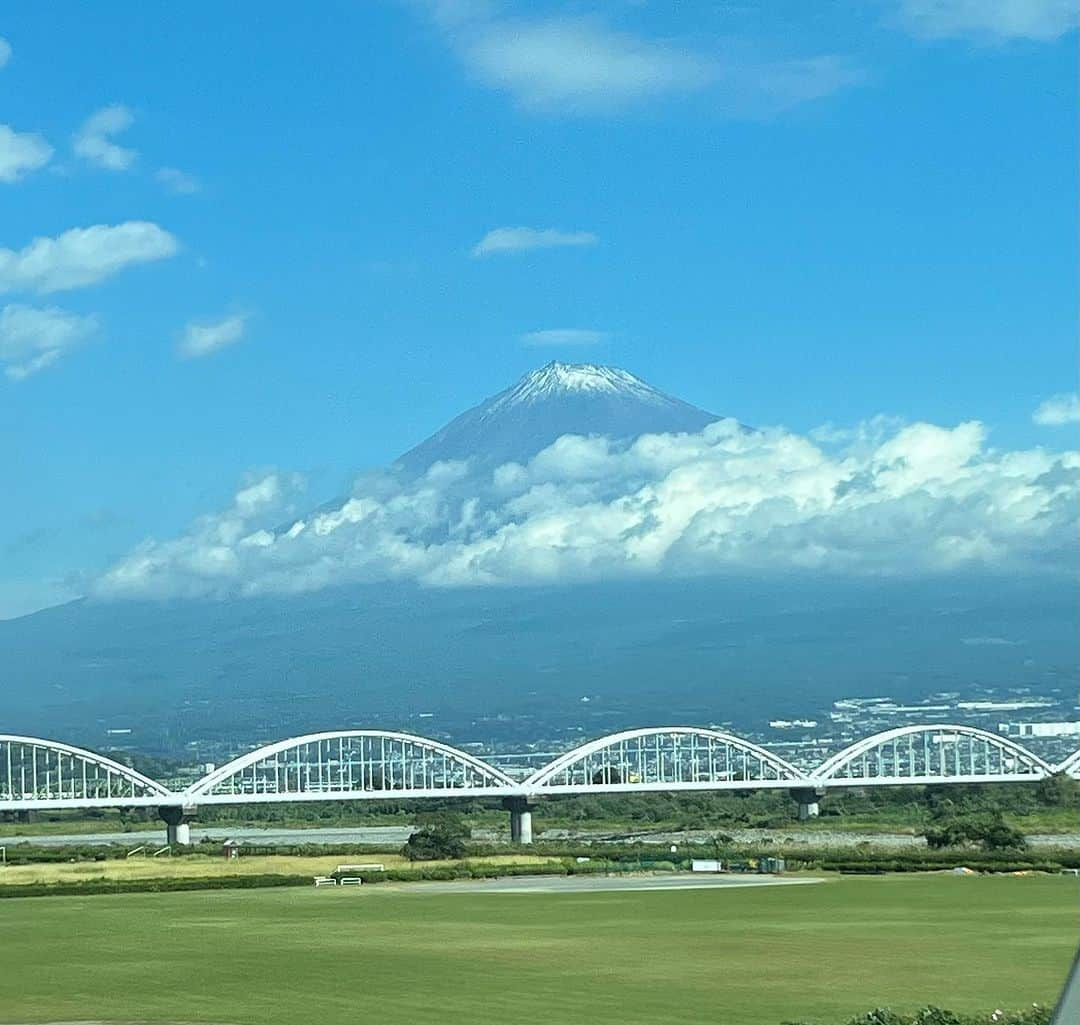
[(5, 51), (581, 65), (33, 338), (176, 181), (923, 500), (83, 256), (1040, 20), (518, 240), (563, 336), (578, 64), (1058, 410), (93, 141), (203, 338), (21, 153)]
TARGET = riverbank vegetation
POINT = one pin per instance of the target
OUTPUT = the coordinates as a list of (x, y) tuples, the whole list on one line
[(1048, 806)]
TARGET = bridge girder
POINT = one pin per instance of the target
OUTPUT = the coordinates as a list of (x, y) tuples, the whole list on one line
[(386, 765)]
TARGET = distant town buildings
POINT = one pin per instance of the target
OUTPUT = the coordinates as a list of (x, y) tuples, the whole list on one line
[(1039, 729)]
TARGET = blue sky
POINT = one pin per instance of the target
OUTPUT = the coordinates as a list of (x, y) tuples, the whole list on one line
[(792, 216)]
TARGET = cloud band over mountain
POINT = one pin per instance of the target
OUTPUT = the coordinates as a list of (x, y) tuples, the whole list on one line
[(888, 500)]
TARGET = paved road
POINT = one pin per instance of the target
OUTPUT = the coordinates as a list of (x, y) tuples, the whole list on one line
[(595, 884)]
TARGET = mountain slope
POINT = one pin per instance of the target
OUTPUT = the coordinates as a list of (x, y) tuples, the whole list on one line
[(513, 664), (557, 399)]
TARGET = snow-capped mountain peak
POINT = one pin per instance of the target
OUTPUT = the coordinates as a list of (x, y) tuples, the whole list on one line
[(547, 403), (555, 379)]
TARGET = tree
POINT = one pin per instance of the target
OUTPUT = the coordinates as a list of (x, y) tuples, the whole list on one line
[(1059, 791), (441, 836), (433, 844), (984, 829), (1000, 836)]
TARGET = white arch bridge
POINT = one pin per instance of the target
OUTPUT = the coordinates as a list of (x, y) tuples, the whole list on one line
[(37, 774)]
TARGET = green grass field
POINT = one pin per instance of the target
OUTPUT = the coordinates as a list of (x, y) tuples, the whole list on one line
[(726, 957)]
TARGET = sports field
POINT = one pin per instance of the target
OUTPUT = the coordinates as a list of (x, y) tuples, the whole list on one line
[(408, 954)]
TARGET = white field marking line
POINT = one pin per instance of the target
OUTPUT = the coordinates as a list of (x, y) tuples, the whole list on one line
[(651, 888)]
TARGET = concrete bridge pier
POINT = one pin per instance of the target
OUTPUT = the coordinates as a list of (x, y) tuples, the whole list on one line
[(520, 818), (176, 819), (808, 798)]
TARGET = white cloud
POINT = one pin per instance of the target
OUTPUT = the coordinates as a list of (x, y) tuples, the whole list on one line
[(564, 336), (923, 500), (1040, 20), (21, 153), (201, 339), (577, 64), (83, 256), (33, 338), (1058, 410), (574, 65), (178, 182), (517, 240), (93, 141), (5, 51)]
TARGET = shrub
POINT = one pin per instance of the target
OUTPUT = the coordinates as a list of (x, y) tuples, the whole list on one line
[(434, 844), (985, 829), (96, 886), (1035, 1015)]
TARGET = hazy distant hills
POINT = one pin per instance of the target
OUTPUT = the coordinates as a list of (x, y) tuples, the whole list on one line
[(557, 399), (642, 652)]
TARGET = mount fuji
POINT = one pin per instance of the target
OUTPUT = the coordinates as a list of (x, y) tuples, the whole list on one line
[(545, 404), (513, 663)]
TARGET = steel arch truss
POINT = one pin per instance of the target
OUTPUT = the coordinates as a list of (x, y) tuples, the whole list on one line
[(1071, 766), (39, 774), (665, 758), (931, 754), (356, 764)]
